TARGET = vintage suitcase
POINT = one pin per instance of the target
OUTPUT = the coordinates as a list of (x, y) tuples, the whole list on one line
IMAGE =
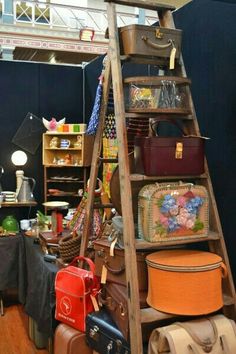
[(114, 298), (114, 266), (41, 340), (70, 341), (169, 155), (103, 335), (185, 282), (150, 40), (173, 211)]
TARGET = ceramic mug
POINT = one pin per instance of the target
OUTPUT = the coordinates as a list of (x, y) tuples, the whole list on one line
[(65, 143), (24, 224)]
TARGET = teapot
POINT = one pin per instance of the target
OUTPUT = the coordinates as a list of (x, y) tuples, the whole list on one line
[(26, 190)]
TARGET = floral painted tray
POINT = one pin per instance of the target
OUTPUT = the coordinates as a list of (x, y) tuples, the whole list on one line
[(174, 211)]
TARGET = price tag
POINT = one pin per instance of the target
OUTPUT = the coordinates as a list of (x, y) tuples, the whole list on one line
[(172, 58), (104, 275), (113, 244), (95, 303)]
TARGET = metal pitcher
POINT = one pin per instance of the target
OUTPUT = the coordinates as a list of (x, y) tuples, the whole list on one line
[(26, 190)]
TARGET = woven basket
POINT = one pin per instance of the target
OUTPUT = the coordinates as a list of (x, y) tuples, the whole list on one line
[(69, 247)]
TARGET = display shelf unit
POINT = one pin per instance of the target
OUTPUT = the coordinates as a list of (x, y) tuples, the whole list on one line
[(66, 168)]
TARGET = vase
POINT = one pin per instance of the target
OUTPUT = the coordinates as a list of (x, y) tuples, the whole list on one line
[(10, 224)]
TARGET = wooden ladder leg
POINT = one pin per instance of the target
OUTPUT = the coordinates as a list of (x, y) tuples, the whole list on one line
[(95, 159), (125, 186)]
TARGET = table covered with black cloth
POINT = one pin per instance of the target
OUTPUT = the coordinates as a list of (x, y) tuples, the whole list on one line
[(40, 295), (12, 264)]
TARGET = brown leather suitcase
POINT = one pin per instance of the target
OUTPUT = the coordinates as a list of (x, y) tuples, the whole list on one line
[(114, 297), (115, 265), (150, 40), (70, 341)]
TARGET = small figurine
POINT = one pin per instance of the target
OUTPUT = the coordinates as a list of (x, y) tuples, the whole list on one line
[(68, 160), (54, 142), (52, 124), (78, 143)]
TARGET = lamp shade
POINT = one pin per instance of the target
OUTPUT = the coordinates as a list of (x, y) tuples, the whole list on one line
[(19, 158)]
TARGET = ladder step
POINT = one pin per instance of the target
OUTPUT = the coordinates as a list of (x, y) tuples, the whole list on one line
[(151, 5), (144, 245), (108, 160), (153, 114), (149, 315), (175, 111), (135, 177)]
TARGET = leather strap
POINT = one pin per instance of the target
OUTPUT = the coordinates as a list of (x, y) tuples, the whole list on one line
[(206, 345)]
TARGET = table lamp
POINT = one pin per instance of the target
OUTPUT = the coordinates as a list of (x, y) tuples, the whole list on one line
[(19, 159)]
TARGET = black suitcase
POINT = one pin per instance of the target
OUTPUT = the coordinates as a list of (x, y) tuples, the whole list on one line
[(103, 336)]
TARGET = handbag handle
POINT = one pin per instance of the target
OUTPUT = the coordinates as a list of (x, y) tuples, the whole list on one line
[(207, 347), (87, 260), (155, 123), (155, 45)]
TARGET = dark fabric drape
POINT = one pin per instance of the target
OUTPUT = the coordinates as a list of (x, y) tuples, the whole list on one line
[(209, 52)]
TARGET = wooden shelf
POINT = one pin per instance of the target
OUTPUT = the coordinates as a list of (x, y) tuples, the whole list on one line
[(174, 111), (142, 244), (18, 204), (136, 177), (64, 149), (154, 115), (63, 181)]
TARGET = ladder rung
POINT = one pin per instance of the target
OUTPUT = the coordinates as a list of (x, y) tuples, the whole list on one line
[(110, 160), (142, 244), (154, 115), (149, 315), (151, 5), (135, 177)]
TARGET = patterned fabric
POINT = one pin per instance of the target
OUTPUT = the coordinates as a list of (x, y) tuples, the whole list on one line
[(77, 222), (110, 150), (94, 119)]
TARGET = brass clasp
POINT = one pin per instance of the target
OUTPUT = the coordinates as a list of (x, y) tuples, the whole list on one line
[(179, 150), (159, 35)]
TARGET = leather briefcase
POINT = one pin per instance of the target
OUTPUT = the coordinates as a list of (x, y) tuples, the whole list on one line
[(150, 40), (103, 335), (114, 265), (170, 155), (114, 297)]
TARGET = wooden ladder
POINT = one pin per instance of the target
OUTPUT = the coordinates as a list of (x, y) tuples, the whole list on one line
[(215, 238)]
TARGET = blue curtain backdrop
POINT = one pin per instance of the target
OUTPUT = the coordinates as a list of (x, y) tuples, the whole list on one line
[(209, 51)]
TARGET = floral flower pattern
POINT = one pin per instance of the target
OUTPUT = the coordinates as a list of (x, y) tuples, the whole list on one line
[(179, 213)]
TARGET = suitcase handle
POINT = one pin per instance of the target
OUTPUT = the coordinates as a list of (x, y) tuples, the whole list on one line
[(114, 271), (112, 305), (155, 45)]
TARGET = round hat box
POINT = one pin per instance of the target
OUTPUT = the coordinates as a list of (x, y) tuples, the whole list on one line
[(185, 282)]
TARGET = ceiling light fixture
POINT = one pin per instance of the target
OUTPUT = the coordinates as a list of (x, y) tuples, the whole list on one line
[(87, 34)]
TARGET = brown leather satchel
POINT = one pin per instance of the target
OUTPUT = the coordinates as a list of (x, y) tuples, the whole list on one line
[(216, 335)]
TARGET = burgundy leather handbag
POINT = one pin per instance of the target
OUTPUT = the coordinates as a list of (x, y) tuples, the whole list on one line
[(168, 156)]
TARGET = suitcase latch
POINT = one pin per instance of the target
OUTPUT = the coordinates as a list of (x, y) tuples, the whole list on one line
[(93, 333), (179, 150), (159, 35)]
